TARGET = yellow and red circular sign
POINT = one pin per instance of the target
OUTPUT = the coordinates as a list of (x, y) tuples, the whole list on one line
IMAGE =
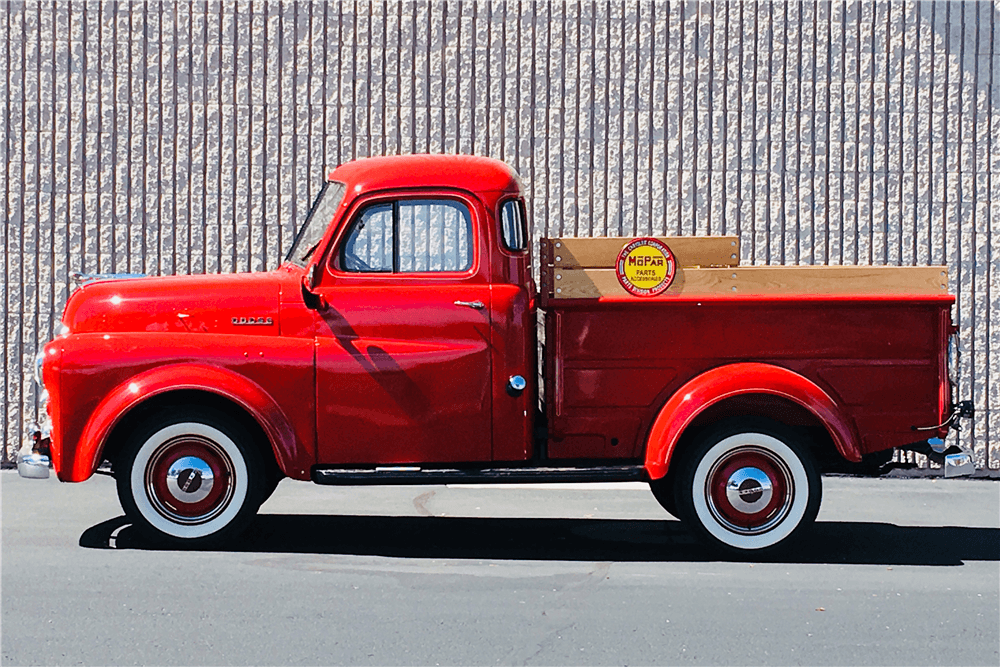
[(645, 267)]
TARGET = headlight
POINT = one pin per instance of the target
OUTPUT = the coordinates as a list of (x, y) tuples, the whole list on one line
[(60, 330), (39, 360)]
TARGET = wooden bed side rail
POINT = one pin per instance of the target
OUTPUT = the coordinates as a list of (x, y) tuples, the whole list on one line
[(568, 283), (601, 253)]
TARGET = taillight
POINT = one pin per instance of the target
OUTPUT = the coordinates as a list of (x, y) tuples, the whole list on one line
[(954, 358), (954, 367)]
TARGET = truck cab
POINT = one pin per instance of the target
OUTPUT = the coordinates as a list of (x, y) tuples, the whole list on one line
[(421, 302)]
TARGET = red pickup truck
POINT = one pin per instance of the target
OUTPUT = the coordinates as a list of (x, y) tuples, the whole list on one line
[(398, 345)]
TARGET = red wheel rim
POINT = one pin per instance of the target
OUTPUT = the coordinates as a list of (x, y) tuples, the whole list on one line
[(189, 479), (749, 490)]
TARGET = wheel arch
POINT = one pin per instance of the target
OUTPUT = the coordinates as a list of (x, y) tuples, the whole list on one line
[(229, 392), (119, 434), (747, 389)]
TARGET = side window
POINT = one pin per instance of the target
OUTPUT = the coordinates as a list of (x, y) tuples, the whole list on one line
[(368, 247), (434, 235), (409, 236), (512, 226)]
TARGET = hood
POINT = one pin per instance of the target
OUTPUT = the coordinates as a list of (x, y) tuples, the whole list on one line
[(227, 303)]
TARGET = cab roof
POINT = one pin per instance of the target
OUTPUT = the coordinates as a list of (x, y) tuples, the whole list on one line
[(464, 172)]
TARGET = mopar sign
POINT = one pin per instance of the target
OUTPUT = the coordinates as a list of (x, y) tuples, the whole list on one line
[(645, 267)]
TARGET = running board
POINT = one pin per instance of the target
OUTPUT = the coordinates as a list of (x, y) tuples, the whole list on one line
[(417, 475)]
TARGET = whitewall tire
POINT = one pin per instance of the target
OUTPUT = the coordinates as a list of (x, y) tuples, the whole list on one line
[(191, 476), (748, 486)]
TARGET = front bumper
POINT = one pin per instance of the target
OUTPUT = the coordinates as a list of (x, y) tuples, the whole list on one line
[(33, 459)]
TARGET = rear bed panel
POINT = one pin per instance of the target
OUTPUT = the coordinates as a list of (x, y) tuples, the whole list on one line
[(613, 362)]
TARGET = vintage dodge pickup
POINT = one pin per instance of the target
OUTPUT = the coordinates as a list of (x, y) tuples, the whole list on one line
[(398, 345)]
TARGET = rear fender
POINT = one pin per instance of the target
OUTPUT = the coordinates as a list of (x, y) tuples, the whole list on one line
[(725, 382), (139, 389)]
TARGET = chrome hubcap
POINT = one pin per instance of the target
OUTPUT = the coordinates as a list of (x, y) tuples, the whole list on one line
[(190, 479), (749, 490)]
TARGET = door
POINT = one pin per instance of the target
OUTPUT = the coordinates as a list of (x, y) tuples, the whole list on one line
[(402, 348)]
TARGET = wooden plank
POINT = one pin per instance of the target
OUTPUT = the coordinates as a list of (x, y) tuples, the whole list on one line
[(763, 280), (601, 253)]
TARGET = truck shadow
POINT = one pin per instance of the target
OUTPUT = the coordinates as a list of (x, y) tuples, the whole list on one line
[(625, 540)]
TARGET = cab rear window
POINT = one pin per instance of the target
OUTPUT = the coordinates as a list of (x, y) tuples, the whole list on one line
[(512, 226)]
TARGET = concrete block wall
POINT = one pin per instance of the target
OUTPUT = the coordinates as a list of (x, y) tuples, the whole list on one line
[(191, 136)]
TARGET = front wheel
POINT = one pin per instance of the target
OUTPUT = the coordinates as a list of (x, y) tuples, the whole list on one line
[(748, 486), (191, 476)]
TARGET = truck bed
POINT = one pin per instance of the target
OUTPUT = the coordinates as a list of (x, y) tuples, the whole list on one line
[(612, 360)]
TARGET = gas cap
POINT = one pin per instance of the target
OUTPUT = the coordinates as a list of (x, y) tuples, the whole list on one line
[(516, 385)]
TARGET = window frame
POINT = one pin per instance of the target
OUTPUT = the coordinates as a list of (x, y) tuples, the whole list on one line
[(520, 207), (335, 263), (341, 254)]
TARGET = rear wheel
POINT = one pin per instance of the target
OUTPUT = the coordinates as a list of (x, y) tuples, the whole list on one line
[(748, 486), (191, 476)]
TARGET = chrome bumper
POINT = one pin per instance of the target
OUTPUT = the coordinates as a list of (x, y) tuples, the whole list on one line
[(31, 462), (956, 463)]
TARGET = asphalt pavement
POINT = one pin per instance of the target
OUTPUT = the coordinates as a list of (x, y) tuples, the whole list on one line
[(896, 572)]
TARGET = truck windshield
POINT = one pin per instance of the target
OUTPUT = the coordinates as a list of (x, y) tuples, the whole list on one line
[(316, 222)]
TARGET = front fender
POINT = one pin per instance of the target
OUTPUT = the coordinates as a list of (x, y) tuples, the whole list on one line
[(724, 382), (144, 386)]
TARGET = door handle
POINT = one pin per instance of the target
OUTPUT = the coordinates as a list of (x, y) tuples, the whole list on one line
[(478, 305)]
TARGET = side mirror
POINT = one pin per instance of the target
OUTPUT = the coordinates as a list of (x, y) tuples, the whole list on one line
[(314, 275), (312, 300)]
